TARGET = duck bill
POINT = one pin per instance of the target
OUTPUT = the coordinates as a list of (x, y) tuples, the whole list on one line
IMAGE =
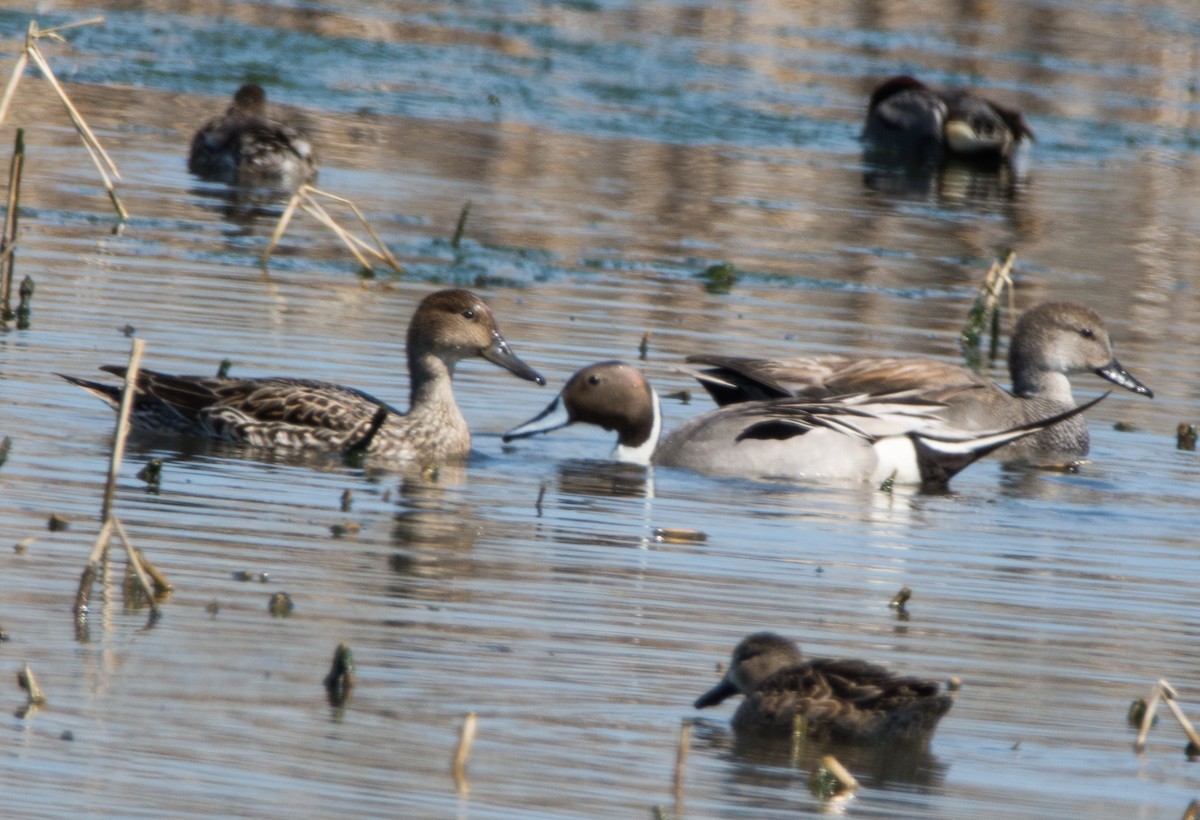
[(718, 693), (552, 418), (499, 353), (1118, 376)]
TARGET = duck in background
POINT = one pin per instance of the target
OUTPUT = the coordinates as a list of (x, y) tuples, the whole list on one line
[(1051, 342), (245, 147), (898, 436), (907, 121), (839, 700), (306, 415)]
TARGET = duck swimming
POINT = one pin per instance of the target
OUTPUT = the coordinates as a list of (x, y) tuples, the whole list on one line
[(300, 414), (908, 120), (1050, 342), (245, 147), (853, 438), (839, 700)]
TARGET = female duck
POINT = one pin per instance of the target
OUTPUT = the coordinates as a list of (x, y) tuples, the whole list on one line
[(898, 436), (1050, 342), (245, 147), (301, 414), (908, 120), (840, 700)]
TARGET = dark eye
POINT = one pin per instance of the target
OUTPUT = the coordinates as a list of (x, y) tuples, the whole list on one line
[(593, 379), (468, 314), (1087, 333)]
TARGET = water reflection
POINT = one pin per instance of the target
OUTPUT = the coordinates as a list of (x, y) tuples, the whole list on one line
[(764, 766), (947, 181)]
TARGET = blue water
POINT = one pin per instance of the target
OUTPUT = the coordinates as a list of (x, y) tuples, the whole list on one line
[(611, 152)]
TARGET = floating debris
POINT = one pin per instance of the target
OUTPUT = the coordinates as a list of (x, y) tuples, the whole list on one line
[(461, 226), (954, 684), (644, 345), (1137, 712), (342, 530), (246, 575), (213, 608), (281, 605), (5, 446), (900, 599), (3, 634), (679, 535), (67, 734), (683, 396), (347, 500), (1185, 436), (1124, 427), (26, 680), (340, 679), (223, 368), (57, 523), (152, 474), (162, 587), (719, 279), (127, 331), (22, 545), (1192, 812)]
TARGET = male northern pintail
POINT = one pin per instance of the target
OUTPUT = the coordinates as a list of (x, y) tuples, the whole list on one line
[(855, 438), (908, 120), (246, 147), (840, 700), (286, 413), (1050, 342)]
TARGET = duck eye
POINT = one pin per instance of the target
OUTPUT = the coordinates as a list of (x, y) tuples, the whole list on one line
[(1087, 333), (593, 379), (468, 314)]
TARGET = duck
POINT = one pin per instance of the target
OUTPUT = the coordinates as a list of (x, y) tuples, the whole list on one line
[(245, 147), (284, 413), (840, 700), (1051, 341), (898, 437), (908, 120)]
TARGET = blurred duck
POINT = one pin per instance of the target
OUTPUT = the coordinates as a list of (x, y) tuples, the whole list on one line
[(300, 414), (898, 436), (839, 700), (245, 147), (908, 120), (1051, 341)]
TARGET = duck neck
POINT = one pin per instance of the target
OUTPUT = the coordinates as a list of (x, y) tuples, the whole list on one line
[(637, 442), (432, 390), (1045, 384)]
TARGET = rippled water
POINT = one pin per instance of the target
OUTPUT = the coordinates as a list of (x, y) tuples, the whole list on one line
[(611, 152)]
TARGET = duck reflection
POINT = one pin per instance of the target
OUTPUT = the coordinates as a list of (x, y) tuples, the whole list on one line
[(434, 531)]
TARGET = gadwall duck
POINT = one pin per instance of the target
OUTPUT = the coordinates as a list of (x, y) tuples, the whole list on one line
[(1050, 342), (853, 438), (245, 147), (839, 700), (908, 120), (300, 414)]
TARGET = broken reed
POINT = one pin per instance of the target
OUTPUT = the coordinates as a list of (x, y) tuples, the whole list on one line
[(305, 199), (8, 238), (31, 53), (984, 312)]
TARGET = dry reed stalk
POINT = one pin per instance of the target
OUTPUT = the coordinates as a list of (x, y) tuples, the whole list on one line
[(834, 766), (31, 53), (461, 752), (305, 199), (35, 696), (983, 310), (685, 742), (8, 240), (1139, 742), (1169, 695)]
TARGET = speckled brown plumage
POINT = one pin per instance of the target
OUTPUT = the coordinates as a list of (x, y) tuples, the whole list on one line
[(840, 700), (245, 147), (301, 414)]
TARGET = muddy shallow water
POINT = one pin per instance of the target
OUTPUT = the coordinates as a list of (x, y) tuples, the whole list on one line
[(611, 152)]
